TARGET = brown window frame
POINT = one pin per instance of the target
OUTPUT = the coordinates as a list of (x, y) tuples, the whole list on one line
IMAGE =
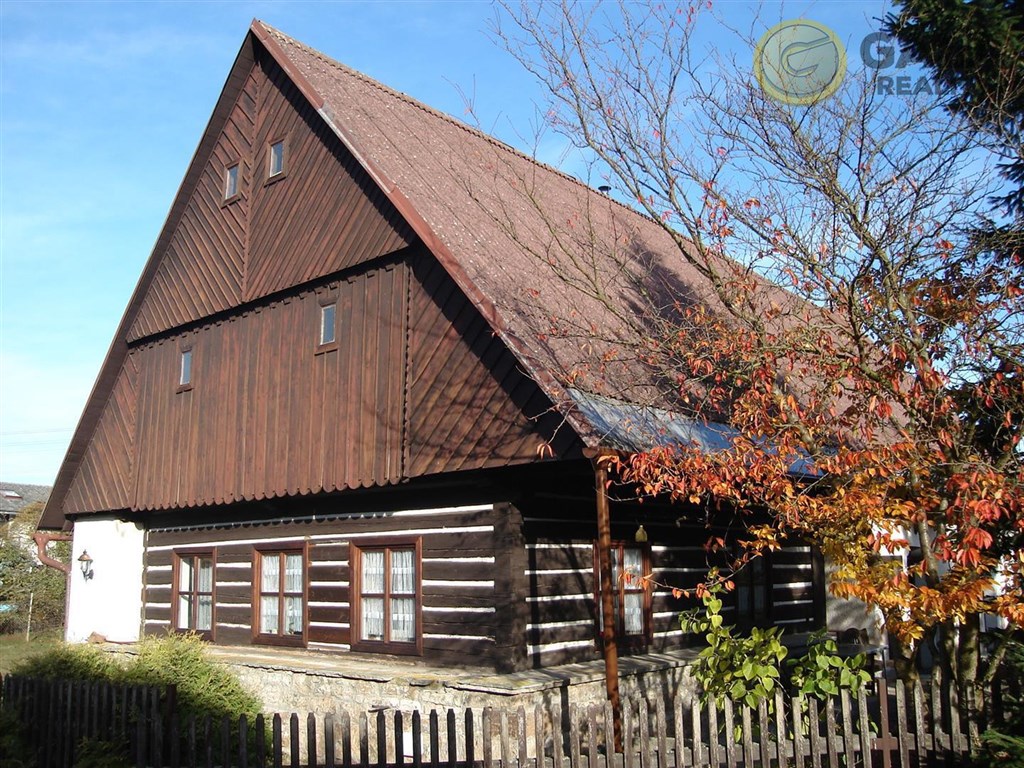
[(273, 177), (230, 198), (747, 585), (193, 554), (281, 550), (326, 346), (635, 640), (404, 648), (183, 385)]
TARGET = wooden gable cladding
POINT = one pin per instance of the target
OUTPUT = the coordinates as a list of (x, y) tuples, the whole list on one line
[(201, 271), (325, 214), (470, 405), (267, 414), (104, 480), (322, 215)]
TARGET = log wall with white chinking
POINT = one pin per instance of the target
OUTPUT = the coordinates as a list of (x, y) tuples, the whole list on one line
[(460, 617), (561, 607)]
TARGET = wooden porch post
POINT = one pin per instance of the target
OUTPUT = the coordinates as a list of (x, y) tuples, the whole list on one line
[(604, 554)]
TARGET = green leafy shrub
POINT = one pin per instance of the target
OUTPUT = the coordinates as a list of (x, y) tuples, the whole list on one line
[(742, 668), (822, 672)]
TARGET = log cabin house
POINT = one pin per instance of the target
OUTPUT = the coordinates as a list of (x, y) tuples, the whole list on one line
[(353, 403)]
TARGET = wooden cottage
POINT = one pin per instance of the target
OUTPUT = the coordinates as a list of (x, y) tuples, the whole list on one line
[(352, 406)]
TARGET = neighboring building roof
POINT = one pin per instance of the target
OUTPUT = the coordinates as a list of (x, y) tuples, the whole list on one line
[(16, 496)]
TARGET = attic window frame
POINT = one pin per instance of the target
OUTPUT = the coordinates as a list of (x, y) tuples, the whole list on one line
[(185, 385), (271, 175), (230, 197), (322, 346)]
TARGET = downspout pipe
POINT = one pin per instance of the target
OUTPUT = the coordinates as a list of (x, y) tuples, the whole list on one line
[(42, 541)]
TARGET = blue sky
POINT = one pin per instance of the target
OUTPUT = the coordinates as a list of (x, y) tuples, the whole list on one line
[(101, 108)]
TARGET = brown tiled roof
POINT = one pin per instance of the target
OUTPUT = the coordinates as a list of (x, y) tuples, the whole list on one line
[(529, 244)]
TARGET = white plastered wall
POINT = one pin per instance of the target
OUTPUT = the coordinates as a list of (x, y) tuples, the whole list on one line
[(110, 603)]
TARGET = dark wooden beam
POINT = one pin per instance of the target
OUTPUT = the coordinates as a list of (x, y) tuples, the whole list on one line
[(604, 553)]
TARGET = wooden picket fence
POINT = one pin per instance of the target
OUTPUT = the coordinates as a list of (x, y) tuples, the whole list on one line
[(888, 727)]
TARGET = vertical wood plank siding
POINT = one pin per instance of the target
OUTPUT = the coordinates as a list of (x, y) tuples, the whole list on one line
[(458, 583), (104, 478), (323, 215), (200, 272), (326, 214), (268, 416)]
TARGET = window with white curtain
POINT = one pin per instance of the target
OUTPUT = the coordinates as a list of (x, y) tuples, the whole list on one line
[(281, 594), (193, 592), (386, 601), (631, 602)]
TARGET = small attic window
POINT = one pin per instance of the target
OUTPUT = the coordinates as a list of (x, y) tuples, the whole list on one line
[(185, 371), (328, 316), (275, 159), (231, 182)]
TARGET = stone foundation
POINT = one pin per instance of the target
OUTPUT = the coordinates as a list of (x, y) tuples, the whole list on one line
[(306, 682)]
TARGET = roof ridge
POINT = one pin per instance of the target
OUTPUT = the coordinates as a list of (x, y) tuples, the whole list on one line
[(412, 101)]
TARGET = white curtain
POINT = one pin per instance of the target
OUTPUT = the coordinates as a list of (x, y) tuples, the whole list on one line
[(184, 593), (403, 582), (270, 579), (204, 585), (372, 580)]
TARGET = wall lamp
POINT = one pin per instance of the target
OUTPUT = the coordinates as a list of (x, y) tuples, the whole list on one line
[(85, 563)]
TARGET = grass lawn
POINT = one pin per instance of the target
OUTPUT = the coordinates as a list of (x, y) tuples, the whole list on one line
[(14, 649)]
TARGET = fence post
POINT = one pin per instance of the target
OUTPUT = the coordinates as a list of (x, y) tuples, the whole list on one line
[(453, 740), (865, 724), (261, 740), (538, 735), (848, 743), (243, 741), (329, 740), (208, 739), (592, 752), (311, 739), (574, 735), (796, 707), (417, 738), (174, 736), (435, 751), (278, 747), (486, 729), (293, 738)]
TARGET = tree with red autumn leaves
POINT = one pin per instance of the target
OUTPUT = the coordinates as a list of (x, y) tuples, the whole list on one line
[(876, 411)]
